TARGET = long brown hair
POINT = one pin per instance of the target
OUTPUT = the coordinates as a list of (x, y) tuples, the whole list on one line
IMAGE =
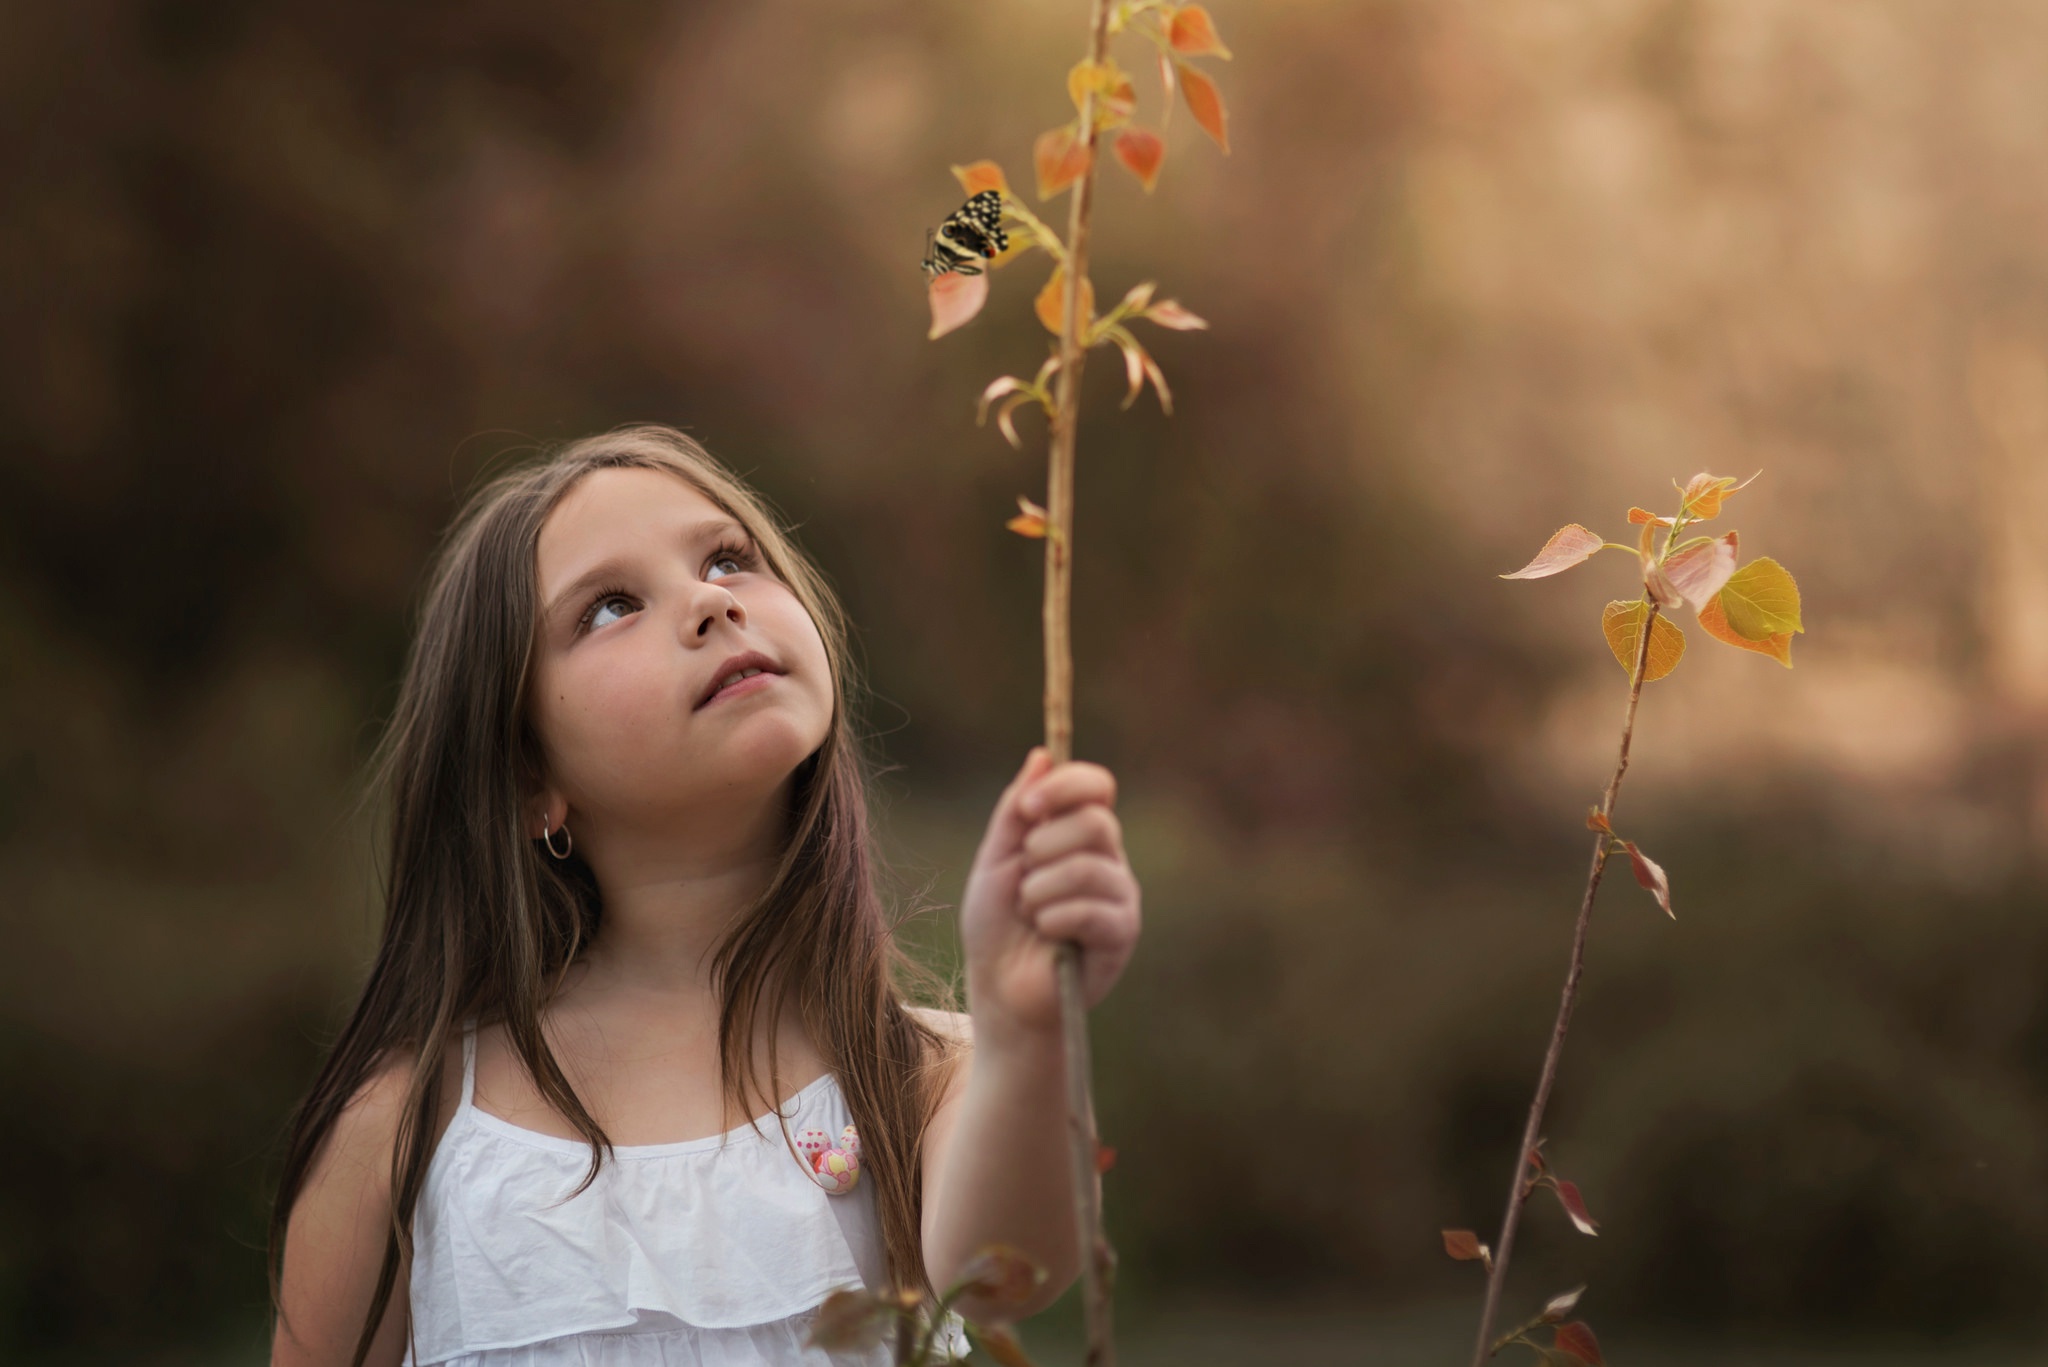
[(479, 923)]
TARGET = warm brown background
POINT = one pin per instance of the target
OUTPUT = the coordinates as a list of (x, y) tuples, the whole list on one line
[(281, 279)]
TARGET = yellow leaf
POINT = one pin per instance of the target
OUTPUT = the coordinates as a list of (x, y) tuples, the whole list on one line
[(982, 175), (1622, 624), (1715, 623), (1761, 600), (1051, 304), (1032, 521)]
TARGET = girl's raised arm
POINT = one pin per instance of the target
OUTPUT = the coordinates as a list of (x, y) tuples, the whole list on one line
[(334, 1244), (997, 1168)]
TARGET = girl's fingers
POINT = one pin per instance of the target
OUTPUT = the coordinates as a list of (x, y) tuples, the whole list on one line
[(1076, 876), (1007, 824), (1091, 826), (1067, 785), (1096, 925)]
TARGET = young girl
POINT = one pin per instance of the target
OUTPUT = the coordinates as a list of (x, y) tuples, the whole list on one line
[(634, 972)]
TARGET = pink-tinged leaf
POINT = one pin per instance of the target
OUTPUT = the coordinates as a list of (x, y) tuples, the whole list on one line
[(1575, 1206), (982, 175), (1158, 378), (1557, 1307), (1019, 393), (1006, 424), (1596, 820), (1572, 545), (1193, 34), (1142, 153), (1577, 1340), (1651, 875), (1134, 365), (1000, 1275), (1033, 521), (1135, 299), (1658, 588), (1464, 1245), (1699, 572), (1059, 158), (1639, 516), (1105, 1157), (849, 1321), (1169, 314), (955, 299), (1205, 102)]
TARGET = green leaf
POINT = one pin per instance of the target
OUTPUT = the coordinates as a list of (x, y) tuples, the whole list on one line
[(1761, 600)]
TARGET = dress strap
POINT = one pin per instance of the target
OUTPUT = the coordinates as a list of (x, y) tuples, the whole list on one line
[(468, 1064)]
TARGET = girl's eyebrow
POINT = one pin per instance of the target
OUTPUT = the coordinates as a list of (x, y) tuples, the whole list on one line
[(612, 568)]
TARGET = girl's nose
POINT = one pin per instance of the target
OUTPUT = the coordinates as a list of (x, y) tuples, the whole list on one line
[(723, 605)]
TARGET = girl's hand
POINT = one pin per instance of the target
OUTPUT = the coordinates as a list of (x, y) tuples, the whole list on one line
[(1050, 868)]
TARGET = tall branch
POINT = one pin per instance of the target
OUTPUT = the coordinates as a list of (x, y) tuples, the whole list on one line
[(1518, 1188), (1096, 1257)]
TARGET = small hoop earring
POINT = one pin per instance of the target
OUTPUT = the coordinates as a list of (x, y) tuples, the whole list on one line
[(547, 838)]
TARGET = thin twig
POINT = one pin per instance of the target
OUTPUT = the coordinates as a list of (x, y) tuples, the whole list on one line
[(1096, 1257), (1518, 1189)]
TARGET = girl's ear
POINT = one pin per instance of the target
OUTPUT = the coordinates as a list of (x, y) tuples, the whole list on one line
[(546, 811)]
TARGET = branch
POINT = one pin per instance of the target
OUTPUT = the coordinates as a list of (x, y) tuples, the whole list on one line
[(1096, 1256), (1518, 1192)]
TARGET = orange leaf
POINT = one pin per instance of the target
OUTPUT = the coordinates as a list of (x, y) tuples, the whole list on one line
[(1031, 522), (1703, 493), (1698, 572), (1622, 624), (1715, 623), (1193, 33), (1650, 874), (1638, 516), (1060, 158), (1571, 545), (1169, 314), (955, 298), (1205, 102), (1142, 152), (1596, 820), (1105, 1157), (1576, 1339), (982, 175), (1051, 303), (1464, 1245)]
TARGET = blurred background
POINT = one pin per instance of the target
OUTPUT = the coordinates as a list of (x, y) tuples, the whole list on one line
[(283, 280)]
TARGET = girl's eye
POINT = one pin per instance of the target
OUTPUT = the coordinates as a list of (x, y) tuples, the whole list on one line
[(737, 557), (608, 609)]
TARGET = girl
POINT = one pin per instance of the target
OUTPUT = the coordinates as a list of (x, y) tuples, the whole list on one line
[(629, 908)]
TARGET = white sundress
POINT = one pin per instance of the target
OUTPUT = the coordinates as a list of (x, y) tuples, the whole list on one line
[(712, 1252)]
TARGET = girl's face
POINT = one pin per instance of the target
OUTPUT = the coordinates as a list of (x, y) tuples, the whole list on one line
[(652, 596)]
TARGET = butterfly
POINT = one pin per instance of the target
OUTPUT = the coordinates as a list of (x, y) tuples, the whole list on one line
[(972, 230)]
